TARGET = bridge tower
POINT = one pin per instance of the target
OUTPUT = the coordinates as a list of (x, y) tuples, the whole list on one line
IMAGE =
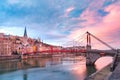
[(88, 46)]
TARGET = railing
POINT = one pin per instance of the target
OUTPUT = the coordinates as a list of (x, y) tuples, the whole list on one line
[(57, 51)]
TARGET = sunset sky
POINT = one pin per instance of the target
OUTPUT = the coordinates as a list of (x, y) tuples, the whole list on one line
[(59, 21)]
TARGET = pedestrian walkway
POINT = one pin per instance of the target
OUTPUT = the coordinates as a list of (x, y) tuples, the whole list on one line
[(116, 73), (100, 75)]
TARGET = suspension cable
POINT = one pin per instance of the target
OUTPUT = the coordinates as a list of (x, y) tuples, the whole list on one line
[(101, 41)]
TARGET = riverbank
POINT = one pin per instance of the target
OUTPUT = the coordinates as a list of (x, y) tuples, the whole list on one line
[(102, 74), (12, 57), (45, 55), (9, 57)]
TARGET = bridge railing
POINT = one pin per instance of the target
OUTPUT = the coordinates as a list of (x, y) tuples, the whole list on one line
[(58, 51)]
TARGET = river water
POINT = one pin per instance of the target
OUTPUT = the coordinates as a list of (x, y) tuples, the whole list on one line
[(56, 68)]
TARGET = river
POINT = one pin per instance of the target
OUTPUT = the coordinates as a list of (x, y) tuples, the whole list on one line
[(55, 68)]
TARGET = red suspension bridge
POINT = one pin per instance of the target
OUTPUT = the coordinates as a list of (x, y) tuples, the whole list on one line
[(73, 46)]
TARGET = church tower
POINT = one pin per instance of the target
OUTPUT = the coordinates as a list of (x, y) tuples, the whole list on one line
[(25, 37), (25, 33)]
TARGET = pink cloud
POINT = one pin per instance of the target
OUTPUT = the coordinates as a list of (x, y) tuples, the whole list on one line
[(67, 11), (105, 28), (90, 14)]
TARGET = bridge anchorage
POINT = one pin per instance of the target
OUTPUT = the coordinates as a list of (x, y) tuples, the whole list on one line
[(92, 55)]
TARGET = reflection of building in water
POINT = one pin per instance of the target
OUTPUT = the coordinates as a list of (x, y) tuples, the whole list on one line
[(56, 60), (35, 62), (8, 66), (25, 76)]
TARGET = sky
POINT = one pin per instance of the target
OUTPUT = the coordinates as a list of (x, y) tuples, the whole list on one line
[(59, 21)]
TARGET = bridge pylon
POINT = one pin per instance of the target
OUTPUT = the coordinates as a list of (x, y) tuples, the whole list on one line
[(88, 46)]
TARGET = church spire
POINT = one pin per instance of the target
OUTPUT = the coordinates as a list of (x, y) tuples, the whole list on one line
[(25, 33)]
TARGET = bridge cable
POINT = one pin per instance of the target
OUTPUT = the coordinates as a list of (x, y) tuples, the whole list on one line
[(101, 41), (76, 40)]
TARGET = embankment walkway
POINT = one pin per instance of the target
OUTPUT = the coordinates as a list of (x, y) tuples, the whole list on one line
[(103, 74)]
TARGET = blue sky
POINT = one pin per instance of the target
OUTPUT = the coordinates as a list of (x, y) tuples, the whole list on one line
[(57, 21)]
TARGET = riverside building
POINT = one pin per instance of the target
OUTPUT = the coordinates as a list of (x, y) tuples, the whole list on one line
[(17, 45)]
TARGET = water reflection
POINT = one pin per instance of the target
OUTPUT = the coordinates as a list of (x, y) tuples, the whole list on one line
[(13, 65), (90, 70), (79, 72), (56, 68), (102, 62), (25, 76)]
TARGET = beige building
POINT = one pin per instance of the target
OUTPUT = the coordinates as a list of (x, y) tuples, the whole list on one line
[(5, 44)]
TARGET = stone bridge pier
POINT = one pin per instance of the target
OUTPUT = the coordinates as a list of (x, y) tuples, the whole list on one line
[(91, 58)]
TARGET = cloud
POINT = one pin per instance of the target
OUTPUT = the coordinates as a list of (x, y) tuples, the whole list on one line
[(58, 18), (68, 10), (107, 28), (12, 30)]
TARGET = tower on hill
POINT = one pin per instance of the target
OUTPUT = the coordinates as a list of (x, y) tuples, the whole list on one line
[(25, 33)]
